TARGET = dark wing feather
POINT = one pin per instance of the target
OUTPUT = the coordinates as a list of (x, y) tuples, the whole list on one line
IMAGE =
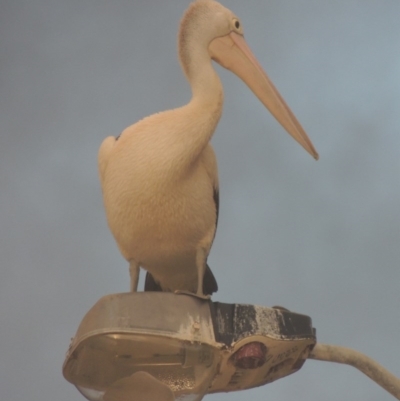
[(210, 284)]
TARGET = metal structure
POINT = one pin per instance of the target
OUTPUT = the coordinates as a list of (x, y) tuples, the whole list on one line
[(158, 346), (162, 346)]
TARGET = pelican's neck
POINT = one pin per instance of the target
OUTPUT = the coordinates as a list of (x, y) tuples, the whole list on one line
[(205, 107), (204, 81), (196, 64), (195, 122)]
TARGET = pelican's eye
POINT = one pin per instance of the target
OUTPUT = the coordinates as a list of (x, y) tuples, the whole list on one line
[(237, 26)]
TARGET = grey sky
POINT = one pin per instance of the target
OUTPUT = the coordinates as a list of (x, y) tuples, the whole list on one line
[(320, 238)]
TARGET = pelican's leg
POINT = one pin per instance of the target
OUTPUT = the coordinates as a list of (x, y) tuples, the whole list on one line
[(201, 269), (134, 273), (201, 264)]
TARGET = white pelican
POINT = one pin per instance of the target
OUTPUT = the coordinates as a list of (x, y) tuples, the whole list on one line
[(159, 177)]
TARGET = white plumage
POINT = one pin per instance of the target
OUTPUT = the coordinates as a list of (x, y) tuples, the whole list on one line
[(159, 177)]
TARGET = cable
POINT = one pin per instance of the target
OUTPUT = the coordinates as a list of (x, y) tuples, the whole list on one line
[(368, 366)]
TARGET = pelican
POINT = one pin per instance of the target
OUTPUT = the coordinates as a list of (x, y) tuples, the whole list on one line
[(159, 178)]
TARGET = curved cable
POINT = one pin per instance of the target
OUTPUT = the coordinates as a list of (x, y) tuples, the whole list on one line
[(376, 372)]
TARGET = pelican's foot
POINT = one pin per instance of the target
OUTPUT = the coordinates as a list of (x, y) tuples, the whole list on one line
[(200, 296)]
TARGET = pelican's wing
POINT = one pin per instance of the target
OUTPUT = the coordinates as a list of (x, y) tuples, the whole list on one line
[(210, 284), (210, 163), (104, 155)]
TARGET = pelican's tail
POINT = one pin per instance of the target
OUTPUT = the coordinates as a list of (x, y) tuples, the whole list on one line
[(209, 283)]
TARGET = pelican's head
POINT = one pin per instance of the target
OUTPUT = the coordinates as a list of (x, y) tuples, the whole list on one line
[(207, 20), (212, 26)]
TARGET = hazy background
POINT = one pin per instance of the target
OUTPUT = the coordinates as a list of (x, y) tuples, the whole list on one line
[(321, 238)]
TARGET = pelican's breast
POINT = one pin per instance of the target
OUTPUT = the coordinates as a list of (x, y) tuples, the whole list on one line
[(152, 206)]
